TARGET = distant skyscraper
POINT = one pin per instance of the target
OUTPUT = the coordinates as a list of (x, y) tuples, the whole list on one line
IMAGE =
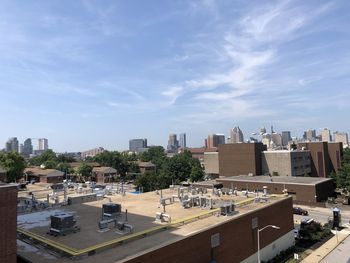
[(276, 138), (182, 142), (310, 135), (326, 135), (341, 137), (286, 138), (12, 145), (137, 145), (27, 148), (214, 140), (173, 143), (92, 152), (236, 135), (43, 144)]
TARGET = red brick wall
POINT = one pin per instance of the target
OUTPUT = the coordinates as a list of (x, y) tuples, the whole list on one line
[(237, 239), (8, 224)]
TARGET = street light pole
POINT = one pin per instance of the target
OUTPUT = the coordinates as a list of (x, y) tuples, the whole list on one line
[(259, 230)]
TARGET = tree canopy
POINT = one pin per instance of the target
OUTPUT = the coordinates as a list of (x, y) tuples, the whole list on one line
[(14, 164)]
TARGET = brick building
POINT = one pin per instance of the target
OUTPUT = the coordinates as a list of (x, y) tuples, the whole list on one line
[(335, 150), (51, 176), (304, 190), (240, 158), (325, 157), (103, 174), (8, 226)]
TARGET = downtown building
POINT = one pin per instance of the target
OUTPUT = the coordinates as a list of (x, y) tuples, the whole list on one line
[(12, 145), (214, 140), (236, 135), (138, 145)]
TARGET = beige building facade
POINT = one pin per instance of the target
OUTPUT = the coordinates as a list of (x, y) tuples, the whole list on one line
[(286, 163), (211, 163)]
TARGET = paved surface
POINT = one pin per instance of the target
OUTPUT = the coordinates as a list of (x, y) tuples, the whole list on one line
[(341, 254), (326, 249), (322, 215)]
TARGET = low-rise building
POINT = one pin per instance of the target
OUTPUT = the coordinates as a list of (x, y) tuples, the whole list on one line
[(192, 235), (304, 190), (37, 174), (104, 174), (286, 163), (146, 167)]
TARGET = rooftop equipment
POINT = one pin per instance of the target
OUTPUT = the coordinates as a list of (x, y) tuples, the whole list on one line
[(62, 224)]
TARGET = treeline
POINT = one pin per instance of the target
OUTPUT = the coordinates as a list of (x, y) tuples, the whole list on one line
[(181, 167)]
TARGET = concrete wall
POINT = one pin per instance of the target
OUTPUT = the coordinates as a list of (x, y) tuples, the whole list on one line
[(238, 240), (8, 223), (286, 163), (240, 158), (211, 162)]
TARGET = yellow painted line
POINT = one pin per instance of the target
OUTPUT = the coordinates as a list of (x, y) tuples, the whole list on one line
[(51, 243)]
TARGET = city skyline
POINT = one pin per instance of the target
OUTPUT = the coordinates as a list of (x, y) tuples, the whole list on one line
[(142, 71), (336, 135)]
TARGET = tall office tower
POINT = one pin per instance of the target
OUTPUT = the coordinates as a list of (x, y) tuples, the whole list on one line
[(310, 135), (341, 137), (173, 143), (12, 145), (43, 144), (27, 147), (286, 138), (326, 135), (137, 145), (215, 139), (236, 135), (182, 142)]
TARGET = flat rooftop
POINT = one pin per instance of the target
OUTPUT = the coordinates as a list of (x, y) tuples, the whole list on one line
[(142, 209), (276, 179)]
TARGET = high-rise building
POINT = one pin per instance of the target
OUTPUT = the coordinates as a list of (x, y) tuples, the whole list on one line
[(173, 143), (12, 145), (27, 148), (214, 140), (137, 145), (310, 135), (276, 138), (182, 142), (92, 152), (236, 135), (341, 137), (286, 138), (43, 144), (326, 135)]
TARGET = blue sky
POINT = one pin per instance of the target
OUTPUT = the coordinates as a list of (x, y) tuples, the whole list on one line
[(97, 73)]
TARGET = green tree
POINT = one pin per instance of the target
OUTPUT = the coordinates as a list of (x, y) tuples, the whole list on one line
[(84, 170), (64, 167), (14, 164), (197, 173), (148, 181), (155, 154), (48, 158)]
